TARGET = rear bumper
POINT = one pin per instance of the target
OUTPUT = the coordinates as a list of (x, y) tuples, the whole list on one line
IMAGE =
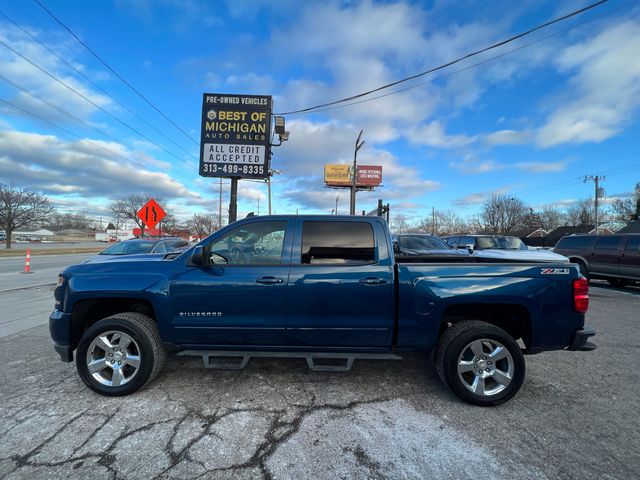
[(60, 330), (580, 340)]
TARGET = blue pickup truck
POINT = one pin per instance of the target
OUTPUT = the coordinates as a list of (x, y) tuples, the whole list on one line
[(324, 287)]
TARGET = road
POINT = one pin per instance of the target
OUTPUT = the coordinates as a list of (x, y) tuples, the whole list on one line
[(27, 299), (577, 416), (57, 245)]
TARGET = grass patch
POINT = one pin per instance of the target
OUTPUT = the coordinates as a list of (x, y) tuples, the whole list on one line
[(21, 252)]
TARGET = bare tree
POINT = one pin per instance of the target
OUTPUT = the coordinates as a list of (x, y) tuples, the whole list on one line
[(400, 224), (127, 207), (551, 218), (443, 222), (581, 213), (203, 224), (502, 215), (627, 209), (20, 207), (74, 220)]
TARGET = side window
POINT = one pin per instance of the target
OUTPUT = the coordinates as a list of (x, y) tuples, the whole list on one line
[(160, 248), (574, 242), (633, 244), (257, 243), (345, 243), (464, 241), (610, 242), (453, 242)]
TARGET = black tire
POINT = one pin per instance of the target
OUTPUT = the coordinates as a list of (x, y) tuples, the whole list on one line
[(584, 270), (456, 339), (144, 332)]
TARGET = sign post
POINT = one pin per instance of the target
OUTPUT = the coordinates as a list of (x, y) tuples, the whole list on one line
[(235, 139)]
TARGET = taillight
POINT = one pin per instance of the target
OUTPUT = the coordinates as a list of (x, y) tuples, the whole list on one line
[(581, 295)]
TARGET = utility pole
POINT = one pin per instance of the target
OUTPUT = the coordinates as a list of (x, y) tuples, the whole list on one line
[(354, 175), (596, 180), (233, 200), (337, 197), (220, 207), (272, 172)]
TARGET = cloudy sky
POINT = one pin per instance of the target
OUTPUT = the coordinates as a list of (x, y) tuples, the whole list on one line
[(529, 119)]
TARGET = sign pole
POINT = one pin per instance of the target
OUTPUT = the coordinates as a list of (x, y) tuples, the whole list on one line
[(233, 200), (354, 186)]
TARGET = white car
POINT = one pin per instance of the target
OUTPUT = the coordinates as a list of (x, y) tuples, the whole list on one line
[(502, 247)]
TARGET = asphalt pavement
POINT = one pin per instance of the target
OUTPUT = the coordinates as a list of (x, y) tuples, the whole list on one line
[(577, 416), (27, 299)]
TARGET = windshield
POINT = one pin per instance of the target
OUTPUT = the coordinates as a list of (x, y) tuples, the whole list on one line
[(500, 243), (422, 242)]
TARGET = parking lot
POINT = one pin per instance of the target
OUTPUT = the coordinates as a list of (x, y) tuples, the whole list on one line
[(577, 415)]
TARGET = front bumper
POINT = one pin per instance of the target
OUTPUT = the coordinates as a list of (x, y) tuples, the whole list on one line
[(580, 340), (60, 330)]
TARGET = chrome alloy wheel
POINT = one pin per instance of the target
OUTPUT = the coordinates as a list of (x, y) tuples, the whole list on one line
[(113, 358), (485, 367)]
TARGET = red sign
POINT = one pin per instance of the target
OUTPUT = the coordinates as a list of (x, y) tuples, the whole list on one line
[(151, 213), (369, 175)]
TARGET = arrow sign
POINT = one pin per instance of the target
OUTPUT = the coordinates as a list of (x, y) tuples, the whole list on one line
[(151, 213)]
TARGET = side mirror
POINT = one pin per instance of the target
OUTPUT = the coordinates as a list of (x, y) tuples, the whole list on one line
[(396, 247), (470, 248), (197, 256)]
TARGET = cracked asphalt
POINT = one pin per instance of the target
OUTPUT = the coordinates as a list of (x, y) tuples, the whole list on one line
[(577, 416)]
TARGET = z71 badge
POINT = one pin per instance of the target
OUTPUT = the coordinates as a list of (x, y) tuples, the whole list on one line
[(555, 271)]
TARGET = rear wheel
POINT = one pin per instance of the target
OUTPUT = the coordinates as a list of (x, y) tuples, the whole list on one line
[(120, 354), (481, 363)]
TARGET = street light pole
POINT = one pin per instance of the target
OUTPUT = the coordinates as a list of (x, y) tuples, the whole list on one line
[(271, 172), (354, 174), (337, 197)]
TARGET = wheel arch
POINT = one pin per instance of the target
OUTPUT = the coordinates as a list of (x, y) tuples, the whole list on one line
[(515, 319), (88, 311)]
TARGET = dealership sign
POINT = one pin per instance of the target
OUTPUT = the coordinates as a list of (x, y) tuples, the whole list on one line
[(340, 175), (235, 135)]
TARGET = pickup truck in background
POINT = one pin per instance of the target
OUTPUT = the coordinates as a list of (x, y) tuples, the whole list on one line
[(319, 287)]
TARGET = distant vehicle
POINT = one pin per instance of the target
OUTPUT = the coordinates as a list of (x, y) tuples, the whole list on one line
[(137, 246), (422, 244), (615, 258), (502, 247)]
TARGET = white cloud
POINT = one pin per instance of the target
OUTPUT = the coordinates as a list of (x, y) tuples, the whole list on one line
[(433, 135), (542, 167), (470, 163), (508, 137), (604, 91)]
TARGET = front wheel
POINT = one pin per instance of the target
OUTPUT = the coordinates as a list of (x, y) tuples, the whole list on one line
[(120, 354), (481, 363)]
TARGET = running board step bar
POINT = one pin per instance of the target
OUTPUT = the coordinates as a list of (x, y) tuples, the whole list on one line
[(317, 361)]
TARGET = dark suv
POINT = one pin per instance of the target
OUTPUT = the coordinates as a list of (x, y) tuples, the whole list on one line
[(616, 258)]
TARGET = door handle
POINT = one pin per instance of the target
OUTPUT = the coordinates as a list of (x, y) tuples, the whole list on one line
[(269, 280), (373, 281)]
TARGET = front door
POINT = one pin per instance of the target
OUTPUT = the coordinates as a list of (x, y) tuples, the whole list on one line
[(341, 290), (238, 297), (605, 256)]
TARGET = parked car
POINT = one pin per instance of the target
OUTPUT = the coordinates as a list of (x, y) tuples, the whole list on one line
[(421, 244), (502, 247), (615, 258), (315, 287), (137, 246)]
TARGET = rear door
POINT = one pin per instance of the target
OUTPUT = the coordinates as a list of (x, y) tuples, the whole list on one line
[(630, 258), (238, 297), (341, 291), (605, 256)]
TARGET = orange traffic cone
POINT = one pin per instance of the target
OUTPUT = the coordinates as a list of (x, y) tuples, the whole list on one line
[(27, 262)]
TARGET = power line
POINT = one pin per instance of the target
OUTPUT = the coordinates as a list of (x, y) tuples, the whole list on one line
[(469, 67), (86, 124), (75, 135), (452, 62), (84, 97), (85, 77), (116, 73)]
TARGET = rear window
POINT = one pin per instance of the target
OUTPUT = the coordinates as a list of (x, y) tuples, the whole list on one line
[(574, 243), (633, 244), (607, 243), (337, 243)]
